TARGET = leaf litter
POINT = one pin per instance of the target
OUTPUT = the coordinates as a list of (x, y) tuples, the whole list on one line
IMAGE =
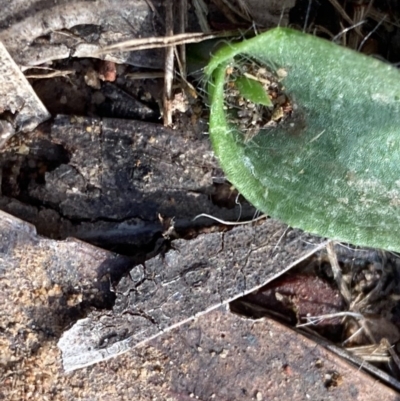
[(370, 275)]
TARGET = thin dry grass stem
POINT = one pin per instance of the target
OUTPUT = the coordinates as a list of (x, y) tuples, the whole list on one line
[(356, 304), (318, 29), (189, 88), (392, 352), (359, 317), (51, 74), (343, 13), (363, 301), (185, 84), (281, 238), (377, 16), (230, 223), (267, 312), (182, 66), (241, 9), (163, 41), (237, 202), (345, 30), (378, 353), (151, 5), (352, 358), (353, 336), (369, 8), (245, 9), (307, 16), (229, 11), (381, 289), (183, 9), (201, 11), (314, 320), (337, 273), (370, 33), (364, 325), (145, 75), (181, 69), (359, 14), (168, 66)]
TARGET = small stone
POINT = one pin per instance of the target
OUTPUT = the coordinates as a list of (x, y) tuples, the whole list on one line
[(224, 354)]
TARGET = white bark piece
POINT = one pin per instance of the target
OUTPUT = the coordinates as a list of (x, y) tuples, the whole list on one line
[(193, 278), (18, 97)]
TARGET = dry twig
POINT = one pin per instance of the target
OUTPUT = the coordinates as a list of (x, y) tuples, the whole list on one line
[(182, 29), (337, 273), (161, 42), (169, 65), (201, 10)]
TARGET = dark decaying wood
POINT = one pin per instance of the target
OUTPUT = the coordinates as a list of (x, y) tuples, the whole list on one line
[(106, 181)]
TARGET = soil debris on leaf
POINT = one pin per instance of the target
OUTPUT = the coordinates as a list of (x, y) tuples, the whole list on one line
[(254, 97)]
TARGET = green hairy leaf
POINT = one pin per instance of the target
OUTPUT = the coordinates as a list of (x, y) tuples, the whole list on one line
[(326, 157)]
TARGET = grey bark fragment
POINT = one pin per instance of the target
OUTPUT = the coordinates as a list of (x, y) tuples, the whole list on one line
[(68, 263), (193, 278), (38, 31), (46, 284), (6, 132), (18, 98)]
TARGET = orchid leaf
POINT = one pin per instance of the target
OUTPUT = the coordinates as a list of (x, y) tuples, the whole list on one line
[(326, 159)]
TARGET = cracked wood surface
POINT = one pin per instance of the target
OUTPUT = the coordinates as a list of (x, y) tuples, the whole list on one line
[(191, 279), (108, 180)]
